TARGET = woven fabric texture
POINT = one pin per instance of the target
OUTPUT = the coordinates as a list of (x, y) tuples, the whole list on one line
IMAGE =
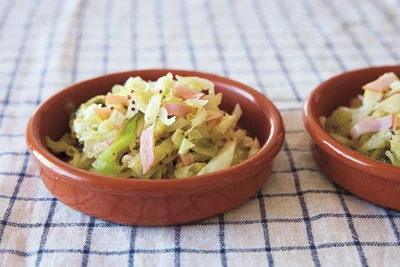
[(283, 48)]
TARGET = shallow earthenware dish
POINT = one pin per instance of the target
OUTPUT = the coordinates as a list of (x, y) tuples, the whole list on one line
[(155, 202), (366, 178)]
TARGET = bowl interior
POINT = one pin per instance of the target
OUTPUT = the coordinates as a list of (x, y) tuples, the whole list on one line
[(54, 115)]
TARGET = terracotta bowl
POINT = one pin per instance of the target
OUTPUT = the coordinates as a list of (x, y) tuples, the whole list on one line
[(155, 202), (366, 178)]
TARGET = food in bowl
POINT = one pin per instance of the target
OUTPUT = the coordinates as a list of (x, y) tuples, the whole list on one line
[(154, 202), (369, 125), (169, 128)]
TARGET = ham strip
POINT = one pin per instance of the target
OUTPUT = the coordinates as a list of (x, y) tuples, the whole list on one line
[(178, 109), (217, 117), (117, 127), (395, 120), (382, 83), (116, 99), (186, 93), (372, 125), (103, 113), (187, 159), (147, 148), (109, 142)]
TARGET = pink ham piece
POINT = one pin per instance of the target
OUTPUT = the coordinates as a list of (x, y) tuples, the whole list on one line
[(147, 148), (187, 159), (382, 83), (368, 125), (179, 109), (217, 117), (103, 113), (109, 142), (395, 120), (186, 93), (117, 127), (116, 99)]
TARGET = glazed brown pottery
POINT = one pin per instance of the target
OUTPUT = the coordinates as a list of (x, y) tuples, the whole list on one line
[(155, 202), (367, 178)]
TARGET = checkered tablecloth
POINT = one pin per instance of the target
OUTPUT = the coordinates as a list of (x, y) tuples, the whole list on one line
[(282, 48)]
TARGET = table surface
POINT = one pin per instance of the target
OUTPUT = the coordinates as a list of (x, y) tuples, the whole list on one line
[(281, 48)]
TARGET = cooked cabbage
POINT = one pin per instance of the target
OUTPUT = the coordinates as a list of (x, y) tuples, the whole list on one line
[(369, 126), (157, 130)]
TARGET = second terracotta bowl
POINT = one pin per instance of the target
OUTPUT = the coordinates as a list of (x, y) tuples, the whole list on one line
[(367, 178), (155, 202)]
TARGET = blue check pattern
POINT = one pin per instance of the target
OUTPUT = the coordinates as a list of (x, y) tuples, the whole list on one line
[(283, 48)]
